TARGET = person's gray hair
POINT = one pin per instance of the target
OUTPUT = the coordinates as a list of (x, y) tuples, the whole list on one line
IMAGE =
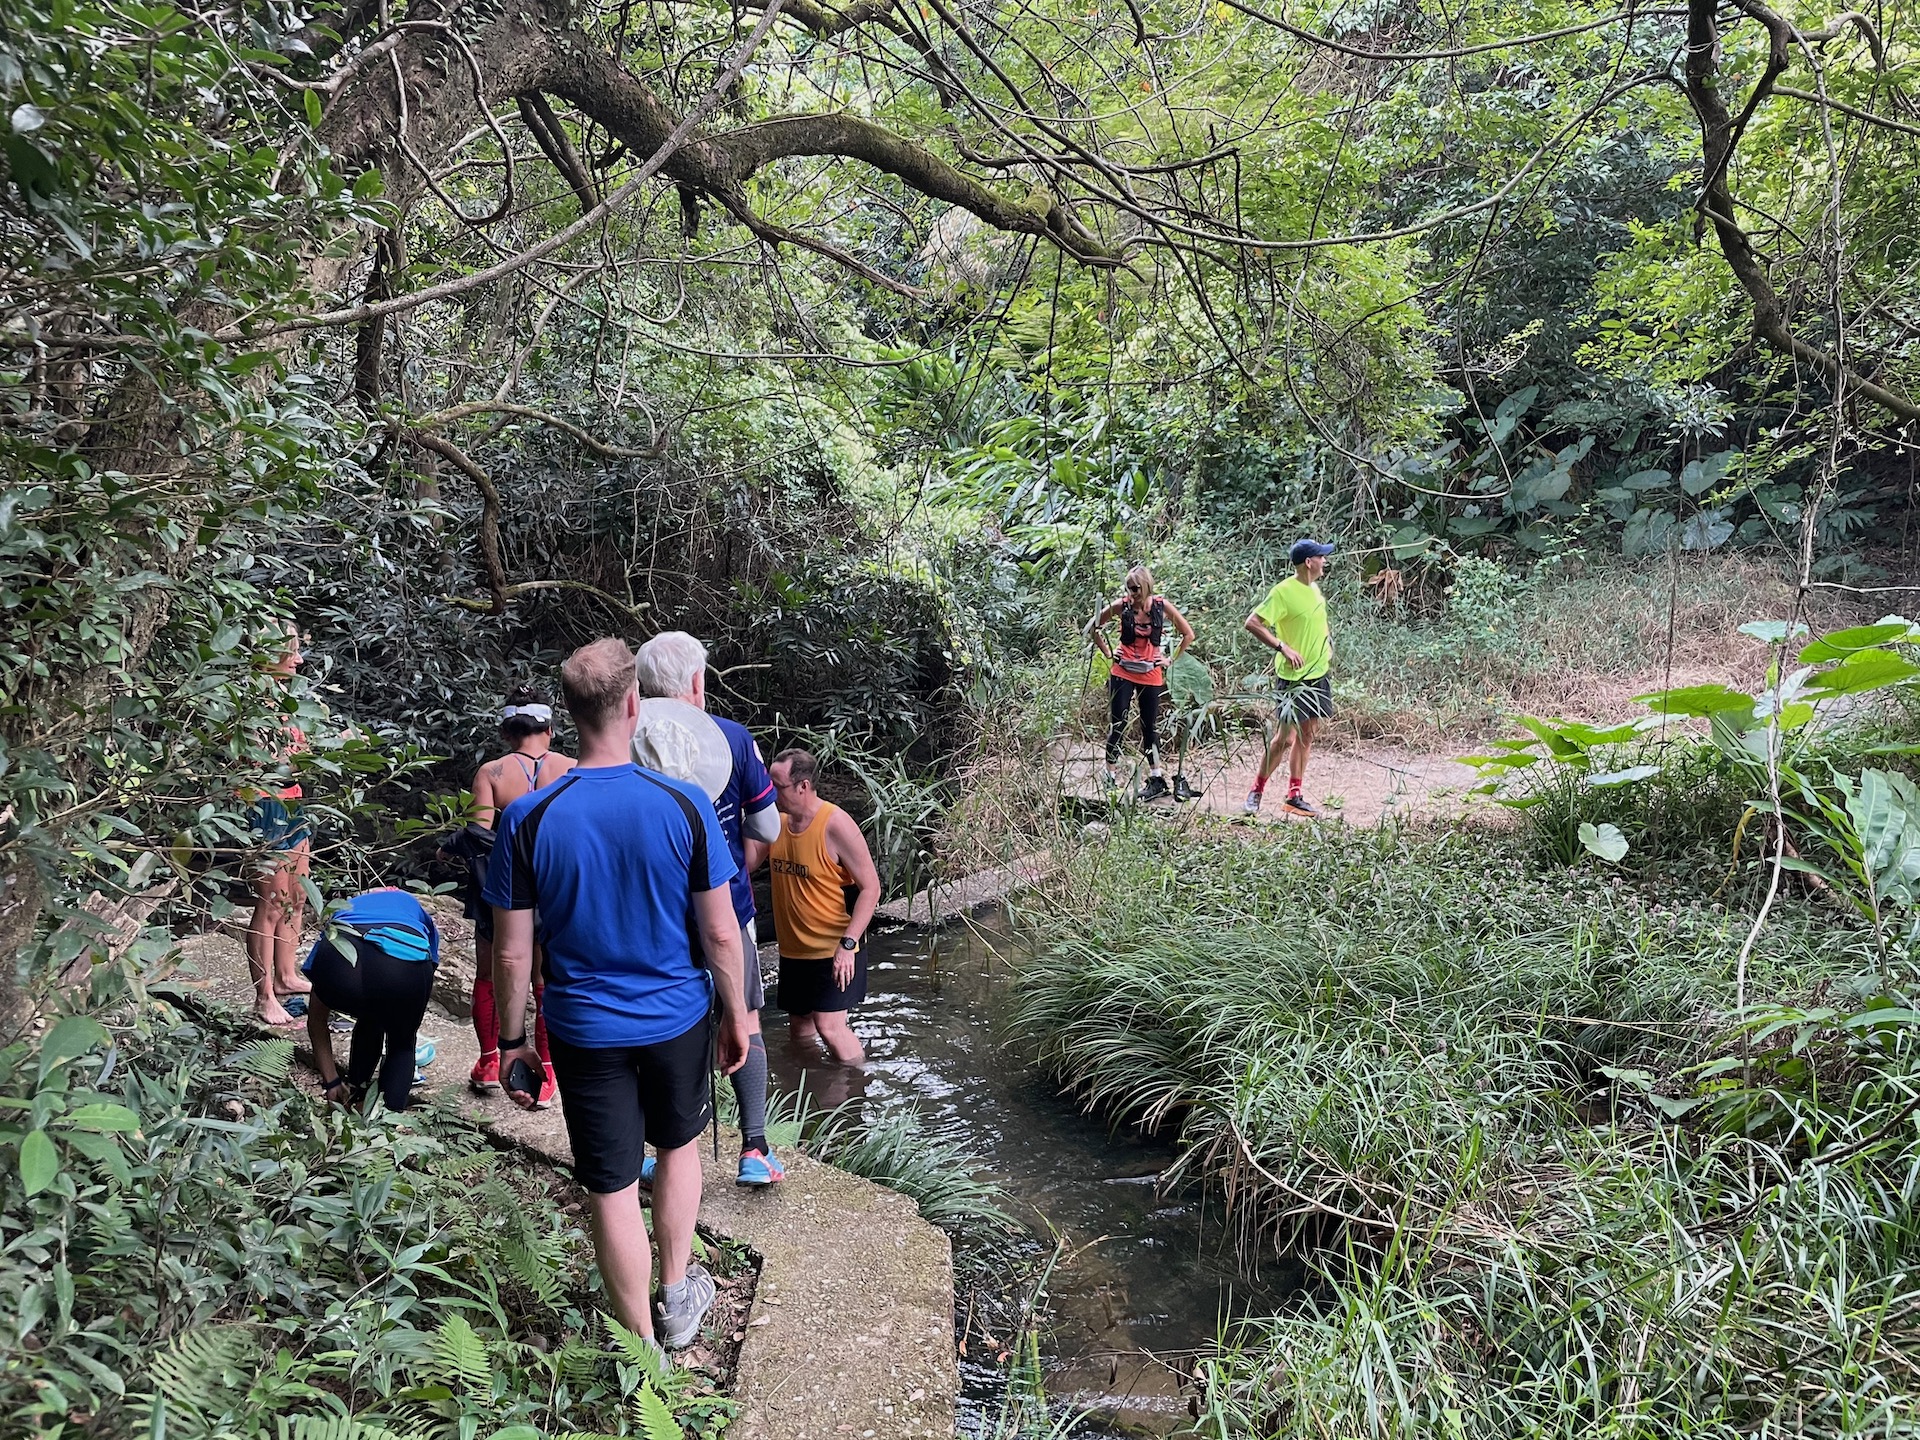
[(667, 663)]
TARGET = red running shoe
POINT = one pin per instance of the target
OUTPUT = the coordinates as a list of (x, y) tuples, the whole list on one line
[(549, 1090), (484, 1078)]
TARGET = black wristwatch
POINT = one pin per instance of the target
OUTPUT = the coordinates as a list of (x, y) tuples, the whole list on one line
[(519, 1044), (847, 942)]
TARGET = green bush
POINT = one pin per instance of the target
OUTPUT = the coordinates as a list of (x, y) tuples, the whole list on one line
[(194, 1247)]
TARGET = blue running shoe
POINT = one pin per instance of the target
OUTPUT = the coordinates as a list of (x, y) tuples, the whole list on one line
[(423, 1054), (761, 1168), (646, 1171)]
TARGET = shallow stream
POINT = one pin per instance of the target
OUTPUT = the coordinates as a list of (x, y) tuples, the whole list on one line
[(1146, 1275)]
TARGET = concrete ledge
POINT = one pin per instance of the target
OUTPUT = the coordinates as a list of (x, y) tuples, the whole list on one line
[(948, 900), (851, 1330)]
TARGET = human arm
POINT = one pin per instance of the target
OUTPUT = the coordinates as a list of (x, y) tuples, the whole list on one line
[(1097, 628), (512, 977), (755, 856), (333, 1085), (1261, 631), (483, 806), (1182, 628), (848, 848), (721, 953)]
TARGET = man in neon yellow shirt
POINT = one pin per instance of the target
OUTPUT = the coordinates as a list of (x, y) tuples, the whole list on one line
[(1292, 621)]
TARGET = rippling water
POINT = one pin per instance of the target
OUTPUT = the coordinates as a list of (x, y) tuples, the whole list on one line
[(1148, 1275)]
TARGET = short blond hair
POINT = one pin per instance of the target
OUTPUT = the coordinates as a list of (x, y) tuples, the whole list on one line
[(595, 679), (1144, 576)]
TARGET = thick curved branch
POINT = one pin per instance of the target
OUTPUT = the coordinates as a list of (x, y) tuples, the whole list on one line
[(552, 139), (1719, 135), (525, 587), (489, 510), (653, 451), (1886, 122)]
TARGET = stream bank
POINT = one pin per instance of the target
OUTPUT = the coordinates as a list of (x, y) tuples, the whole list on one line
[(1145, 1279)]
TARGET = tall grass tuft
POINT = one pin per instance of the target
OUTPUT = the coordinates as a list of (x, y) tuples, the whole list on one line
[(1547, 1182), (896, 1150)]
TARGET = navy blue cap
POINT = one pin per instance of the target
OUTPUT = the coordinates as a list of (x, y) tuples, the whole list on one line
[(1304, 548)]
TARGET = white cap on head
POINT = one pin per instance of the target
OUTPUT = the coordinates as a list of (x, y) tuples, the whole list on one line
[(681, 741), (542, 713)]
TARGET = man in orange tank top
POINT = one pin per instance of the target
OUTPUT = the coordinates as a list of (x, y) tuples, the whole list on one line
[(819, 856)]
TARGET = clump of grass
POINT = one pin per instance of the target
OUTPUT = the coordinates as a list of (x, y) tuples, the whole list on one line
[(1549, 1185), (896, 1150)]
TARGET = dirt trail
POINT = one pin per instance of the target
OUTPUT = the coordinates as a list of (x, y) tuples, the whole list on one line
[(1364, 781)]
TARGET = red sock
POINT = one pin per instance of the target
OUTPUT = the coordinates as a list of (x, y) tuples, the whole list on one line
[(1259, 784), (540, 1023), (1293, 788), (486, 1021)]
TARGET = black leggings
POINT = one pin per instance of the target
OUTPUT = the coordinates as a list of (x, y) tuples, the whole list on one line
[(387, 999), (1120, 694)]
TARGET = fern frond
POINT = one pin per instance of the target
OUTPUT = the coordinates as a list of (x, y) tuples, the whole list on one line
[(636, 1350), (579, 1363), (458, 1347), (270, 1060), (459, 1167), (653, 1416), (331, 1426), (535, 1268), (204, 1364)]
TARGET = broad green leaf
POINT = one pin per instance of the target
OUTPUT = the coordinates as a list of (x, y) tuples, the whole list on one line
[(1604, 840), (1841, 644), (1708, 699), (72, 1036), (104, 1118), (1189, 685), (1771, 631), (1624, 777), (39, 1161), (1869, 670)]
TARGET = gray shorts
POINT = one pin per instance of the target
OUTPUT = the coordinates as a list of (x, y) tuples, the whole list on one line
[(751, 980)]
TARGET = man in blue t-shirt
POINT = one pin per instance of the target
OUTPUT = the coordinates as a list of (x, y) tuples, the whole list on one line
[(673, 666), (630, 871)]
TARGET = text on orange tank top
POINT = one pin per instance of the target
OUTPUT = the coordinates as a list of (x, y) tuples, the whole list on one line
[(809, 901)]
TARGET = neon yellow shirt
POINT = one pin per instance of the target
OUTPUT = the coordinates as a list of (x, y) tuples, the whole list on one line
[(1297, 612)]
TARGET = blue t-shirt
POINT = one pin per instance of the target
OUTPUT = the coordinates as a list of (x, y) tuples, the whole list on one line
[(612, 855), (749, 789), (392, 919)]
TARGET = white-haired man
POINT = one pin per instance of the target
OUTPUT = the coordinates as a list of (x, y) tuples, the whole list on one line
[(673, 666), (630, 873)]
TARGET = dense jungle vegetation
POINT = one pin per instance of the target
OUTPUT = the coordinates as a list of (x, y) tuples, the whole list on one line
[(868, 341)]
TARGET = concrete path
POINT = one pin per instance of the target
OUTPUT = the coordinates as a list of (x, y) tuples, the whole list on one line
[(851, 1330)]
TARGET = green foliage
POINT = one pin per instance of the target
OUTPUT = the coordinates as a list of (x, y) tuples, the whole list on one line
[(193, 1250), (1546, 1181), (896, 1151)]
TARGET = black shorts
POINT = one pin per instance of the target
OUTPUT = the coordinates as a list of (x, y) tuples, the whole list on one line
[(806, 986), (1305, 700), (618, 1100)]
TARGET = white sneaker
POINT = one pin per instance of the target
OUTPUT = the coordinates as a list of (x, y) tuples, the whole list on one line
[(1252, 807)]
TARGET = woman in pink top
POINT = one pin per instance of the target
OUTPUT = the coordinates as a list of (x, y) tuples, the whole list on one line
[(1139, 669)]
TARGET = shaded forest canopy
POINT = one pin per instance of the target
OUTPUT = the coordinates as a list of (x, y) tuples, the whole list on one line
[(863, 339)]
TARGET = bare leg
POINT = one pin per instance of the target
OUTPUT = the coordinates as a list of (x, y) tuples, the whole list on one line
[(1302, 749), (260, 936), (676, 1205), (1276, 751), (286, 930), (620, 1249), (837, 1035), (804, 1033)]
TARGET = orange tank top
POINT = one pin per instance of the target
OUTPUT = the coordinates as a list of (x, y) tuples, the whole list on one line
[(809, 901)]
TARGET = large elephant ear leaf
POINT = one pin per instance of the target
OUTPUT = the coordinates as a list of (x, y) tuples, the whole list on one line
[(1189, 684)]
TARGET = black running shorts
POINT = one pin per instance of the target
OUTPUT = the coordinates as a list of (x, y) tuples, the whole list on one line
[(1305, 700), (806, 986), (618, 1100)]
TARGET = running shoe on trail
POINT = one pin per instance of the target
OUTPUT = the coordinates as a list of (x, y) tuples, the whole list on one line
[(677, 1318), (760, 1167), (1252, 807), (1300, 805), (485, 1075)]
